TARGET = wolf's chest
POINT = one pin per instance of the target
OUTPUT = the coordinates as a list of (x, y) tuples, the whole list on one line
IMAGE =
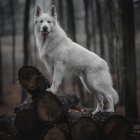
[(47, 57), (42, 53)]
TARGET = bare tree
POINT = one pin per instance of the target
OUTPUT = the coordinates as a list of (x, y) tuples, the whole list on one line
[(129, 62), (86, 5), (26, 37), (71, 20), (13, 36), (1, 74), (91, 4), (100, 26), (26, 32), (60, 6), (1, 59), (110, 34)]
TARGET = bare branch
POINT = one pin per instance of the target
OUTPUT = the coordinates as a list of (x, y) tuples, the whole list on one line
[(136, 1)]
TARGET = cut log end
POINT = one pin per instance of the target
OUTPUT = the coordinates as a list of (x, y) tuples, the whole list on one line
[(32, 79), (49, 108), (25, 121), (117, 127), (83, 129), (54, 133)]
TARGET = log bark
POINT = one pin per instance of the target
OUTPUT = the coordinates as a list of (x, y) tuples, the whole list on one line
[(79, 112)]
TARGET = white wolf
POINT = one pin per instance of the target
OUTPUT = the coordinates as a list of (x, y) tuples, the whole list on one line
[(61, 54)]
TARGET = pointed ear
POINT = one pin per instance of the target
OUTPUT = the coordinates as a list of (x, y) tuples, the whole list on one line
[(38, 11), (52, 12)]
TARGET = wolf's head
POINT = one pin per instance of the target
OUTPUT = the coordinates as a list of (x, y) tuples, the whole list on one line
[(45, 22)]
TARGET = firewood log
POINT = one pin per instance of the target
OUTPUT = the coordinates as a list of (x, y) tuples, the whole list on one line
[(136, 131), (55, 133), (82, 127), (25, 120), (79, 111), (7, 128), (117, 128), (32, 80), (51, 108)]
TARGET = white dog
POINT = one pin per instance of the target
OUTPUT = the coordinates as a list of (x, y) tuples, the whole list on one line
[(61, 54)]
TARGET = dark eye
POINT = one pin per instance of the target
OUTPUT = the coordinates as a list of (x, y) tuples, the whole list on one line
[(48, 21), (41, 21)]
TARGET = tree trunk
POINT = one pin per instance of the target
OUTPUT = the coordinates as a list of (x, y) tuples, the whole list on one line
[(71, 20), (86, 4), (91, 3), (129, 60), (26, 35), (100, 26), (109, 8), (13, 41), (26, 32), (61, 15), (1, 74), (112, 40)]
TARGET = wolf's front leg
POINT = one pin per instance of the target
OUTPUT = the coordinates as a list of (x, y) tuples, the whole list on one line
[(58, 75)]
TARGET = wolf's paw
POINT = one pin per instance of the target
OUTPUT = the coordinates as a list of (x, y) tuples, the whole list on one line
[(110, 110), (98, 111), (48, 89), (94, 112), (51, 90)]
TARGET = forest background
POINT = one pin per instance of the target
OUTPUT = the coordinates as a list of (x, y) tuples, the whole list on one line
[(110, 28)]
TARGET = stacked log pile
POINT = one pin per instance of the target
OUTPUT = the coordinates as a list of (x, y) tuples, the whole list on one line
[(54, 117)]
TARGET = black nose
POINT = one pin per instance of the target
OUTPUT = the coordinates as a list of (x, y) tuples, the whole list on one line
[(45, 28)]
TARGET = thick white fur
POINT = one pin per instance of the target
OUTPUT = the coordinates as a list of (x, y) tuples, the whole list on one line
[(61, 54)]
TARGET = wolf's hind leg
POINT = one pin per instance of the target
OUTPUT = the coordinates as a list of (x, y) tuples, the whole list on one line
[(100, 103), (110, 104), (102, 83), (99, 97), (112, 99)]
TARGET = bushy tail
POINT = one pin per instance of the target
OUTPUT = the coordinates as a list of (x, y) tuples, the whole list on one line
[(115, 96)]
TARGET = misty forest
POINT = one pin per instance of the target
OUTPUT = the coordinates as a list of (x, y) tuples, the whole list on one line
[(109, 28)]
